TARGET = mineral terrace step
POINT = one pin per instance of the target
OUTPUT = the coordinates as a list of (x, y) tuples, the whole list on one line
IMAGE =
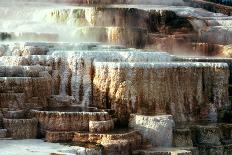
[(103, 16), (21, 71), (95, 55), (123, 141), (132, 72), (113, 135), (21, 128), (71, 119), (56, 136), (17, 114), (30, 50), (12, 100), (73, 46), (60, 100)]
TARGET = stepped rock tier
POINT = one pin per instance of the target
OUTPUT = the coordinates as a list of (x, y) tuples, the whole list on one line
[(162, 88), (115, 77)]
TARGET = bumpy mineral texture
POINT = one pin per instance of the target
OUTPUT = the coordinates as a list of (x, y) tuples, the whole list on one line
[(67, 121), (101, 126), (188, 91), (17, 91), (60, 101), (122, 142), (30, 50), (214, 150), (20, 86), (19, 114), (156, 129), (22, 71), (100, 16), (210, 135), (182, 138), (59, 136), (72, 71), (21, 128)]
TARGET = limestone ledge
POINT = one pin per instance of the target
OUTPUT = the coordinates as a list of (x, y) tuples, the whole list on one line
[(101, 126), (21, 128), (121, 141), (67, 121), (161, 88)]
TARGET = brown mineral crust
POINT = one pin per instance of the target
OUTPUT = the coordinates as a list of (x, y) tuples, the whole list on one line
[(180, 43), (183, 90), (55, 82), (102, 16), (60, 101), (42, 89), (124, 147), (58, 136), (168, 22), (16, 84), (21, 71), (130, 37), (112, 143), (101, 126), (32, 50), (16, 91), (21, 128), (68, 121), (182, 138), (19, 114), (132, 136), (12, 101)]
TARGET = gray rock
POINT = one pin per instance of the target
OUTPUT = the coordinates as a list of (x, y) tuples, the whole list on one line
[(156, 129), (182, 138), (209, 135), (3, 133)]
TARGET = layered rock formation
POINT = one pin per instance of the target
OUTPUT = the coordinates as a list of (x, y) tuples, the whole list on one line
[(68, 121), (158, 88), (21, 128), (52, 84)]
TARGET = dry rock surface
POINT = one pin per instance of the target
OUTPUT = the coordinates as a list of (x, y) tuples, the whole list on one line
[(156, 129)]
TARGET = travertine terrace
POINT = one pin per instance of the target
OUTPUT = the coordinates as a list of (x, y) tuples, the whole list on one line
[(115, 77)]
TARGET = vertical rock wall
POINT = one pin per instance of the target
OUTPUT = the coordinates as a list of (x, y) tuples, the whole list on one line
[(24, 87), (188, 91)]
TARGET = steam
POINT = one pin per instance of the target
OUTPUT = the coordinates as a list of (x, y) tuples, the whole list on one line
[(38, 21), (30, 23)]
